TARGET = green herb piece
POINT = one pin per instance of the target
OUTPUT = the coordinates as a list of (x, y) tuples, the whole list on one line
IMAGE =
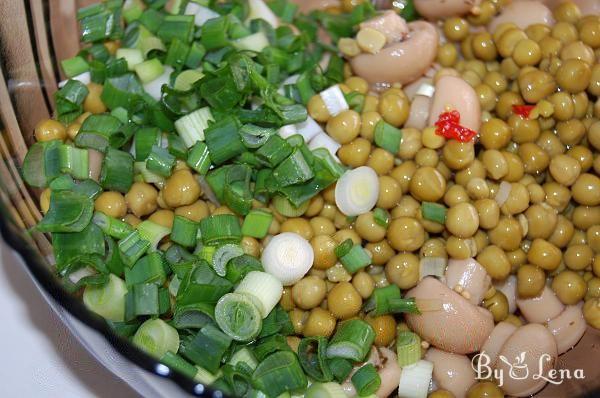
[(387, 137), (256, 224)]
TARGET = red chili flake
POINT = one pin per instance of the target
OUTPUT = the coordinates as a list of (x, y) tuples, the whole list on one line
[(523, 110), (448, 126)]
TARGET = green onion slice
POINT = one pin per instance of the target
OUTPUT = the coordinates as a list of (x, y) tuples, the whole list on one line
[(352, 340), (408, 347), (366, 380), (238, 317), (223, 255), (156, 337), (312, 352)]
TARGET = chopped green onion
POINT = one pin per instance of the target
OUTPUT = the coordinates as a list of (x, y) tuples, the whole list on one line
[(255, 42), (223, 255), (379, 302), (237, 315), (152, 232), (132, 56), (214, 33), (287, 209), (284, 9), (433, 212), (330, 162), (387, 137), (145, 175), (255, 136), (352, 340), (74, 161), (245, 356), (277, 322), (156, 337), (176, 146), (195, 56), (356, 101), (132, 248), (293, 170), (198, 158), (121, 91), (69, 100), (74, 66), (176, 362), (343, 248), (404, 305), (152, 45), (117, 170), (257, 223), (100, 21), (193, 316), (274, 151), (278, 373), (366, 380), (186, 79), (242, 266), (34, 164), (148, 269), (264, 288), (68, 212), (206, 253), (202, 285), (325, 390), (191, 127), (268, 345), (313, 358), (160, 161), (151, 19), (107, 300), (220, 229), (142, 299), (223, 140), (408, 347), (382, 217), (149, 70), (112, 226), (75, 248), (415, 379), (340, 368), (132, 10), (176, 27), (145, 139), (177, 54), (99, 132), (206, 348), (356, 259), (184, 231)]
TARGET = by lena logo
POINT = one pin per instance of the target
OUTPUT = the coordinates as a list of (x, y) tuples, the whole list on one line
[(518, 369)]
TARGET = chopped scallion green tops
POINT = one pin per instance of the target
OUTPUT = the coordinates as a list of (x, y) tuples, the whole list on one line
[(208, 87)]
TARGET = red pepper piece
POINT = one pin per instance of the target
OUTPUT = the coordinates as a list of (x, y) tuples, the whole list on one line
[(448, 126), (523, 110)]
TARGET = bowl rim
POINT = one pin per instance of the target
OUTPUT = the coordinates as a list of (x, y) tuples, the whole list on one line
[(37, 266)]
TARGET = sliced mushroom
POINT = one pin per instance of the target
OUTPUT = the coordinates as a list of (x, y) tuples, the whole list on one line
[(458, 327), (469, 277), (400, 62), (542, 308), (567, 328), (452, 372), (509, 288), (440, 9), (523, 14), (494, 343), (530, 351), (453, 93)]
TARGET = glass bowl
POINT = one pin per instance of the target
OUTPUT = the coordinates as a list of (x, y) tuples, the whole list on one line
[(34, 36)]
